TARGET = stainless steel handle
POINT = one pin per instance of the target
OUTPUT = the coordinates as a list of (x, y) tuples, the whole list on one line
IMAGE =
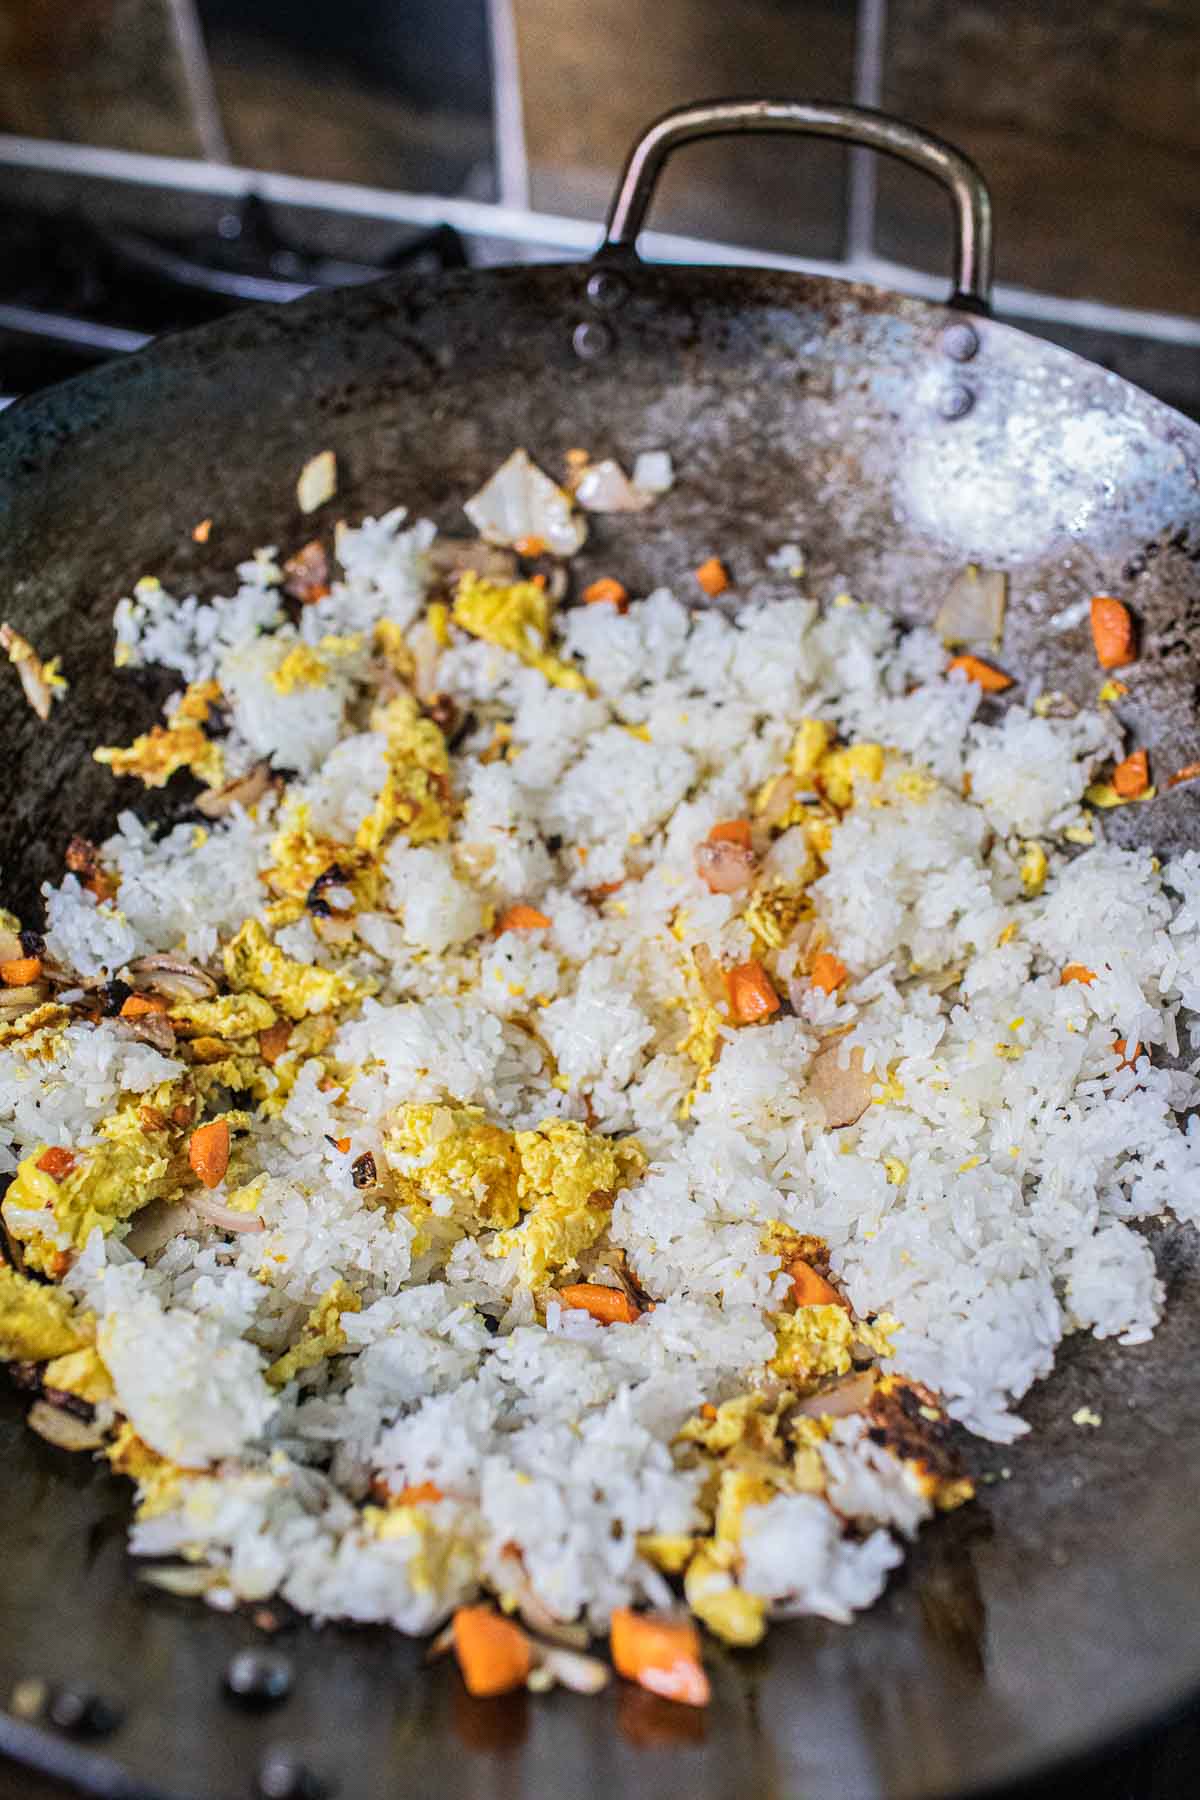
[(815, 118)]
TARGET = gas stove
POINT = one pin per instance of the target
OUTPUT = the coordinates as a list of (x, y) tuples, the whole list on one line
[(76, 291)]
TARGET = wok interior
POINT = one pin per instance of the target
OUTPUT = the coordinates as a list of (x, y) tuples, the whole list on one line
[(797, 410)]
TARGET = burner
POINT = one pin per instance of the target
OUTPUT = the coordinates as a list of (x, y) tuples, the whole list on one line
[(74, 292)]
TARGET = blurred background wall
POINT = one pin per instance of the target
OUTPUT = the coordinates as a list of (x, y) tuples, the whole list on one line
[(1086, 119)]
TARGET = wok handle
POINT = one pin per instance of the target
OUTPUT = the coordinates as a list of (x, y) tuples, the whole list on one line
[(814, 118)]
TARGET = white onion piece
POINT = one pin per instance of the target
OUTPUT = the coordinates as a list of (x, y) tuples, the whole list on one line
[(582, 1674), (520, 501), (654, 472), (227, 1217), (604, 487), (724, 867), (973, 610), (65, 1430), (843, 1398), (844, 1094), (317, 482)]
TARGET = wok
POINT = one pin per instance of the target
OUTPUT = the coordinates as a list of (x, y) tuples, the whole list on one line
[(897, 440)]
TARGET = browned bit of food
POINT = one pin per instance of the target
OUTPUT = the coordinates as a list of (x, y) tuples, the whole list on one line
[(306, 574)]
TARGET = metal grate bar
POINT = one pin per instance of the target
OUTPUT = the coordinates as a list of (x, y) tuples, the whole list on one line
[(550, 233)]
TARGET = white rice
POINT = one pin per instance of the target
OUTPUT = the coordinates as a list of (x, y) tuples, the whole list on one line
[(988, 1203)]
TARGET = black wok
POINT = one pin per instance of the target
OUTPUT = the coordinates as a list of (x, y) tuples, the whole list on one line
[(897, 440)]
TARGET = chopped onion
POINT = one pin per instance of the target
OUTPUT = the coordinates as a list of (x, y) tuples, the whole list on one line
[(653, 472), (847, 1396), (844, 1094), (712, 976), (171, 976), (152, 1028), (973, 610), (226, 1217), (317, 482), (783, 792), (604, 487), (582, 1674), (245, 791), (65, 1430), (154, 1227), (723, 867), (521, 502), (186, 1583), (448, 558)]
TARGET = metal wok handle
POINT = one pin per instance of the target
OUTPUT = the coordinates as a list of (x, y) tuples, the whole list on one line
[(815, 118)]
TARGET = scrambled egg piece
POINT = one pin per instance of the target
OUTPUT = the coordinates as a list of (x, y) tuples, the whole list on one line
[(230, 1016), (774, 912), (1033, 867), (37, 1322), (415, 797), (299, 857), (47, 1019), (457, 1153), (300, 668), (730, 1613), (254, 964), (181, 744), (841, 771), (80, 1372), (139, 1158), (809, 745), (321, 1335), (444, 1562), (811, 1342), (516, 616), (156, 1478), (913, 1427), (568, 1178)]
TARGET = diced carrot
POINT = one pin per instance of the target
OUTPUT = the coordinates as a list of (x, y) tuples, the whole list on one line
[(731, 831), (603, 889), (138, 1005), (274, 1040), (1077, 972), (1128, 1057), (810, 1288), (992, 681), (208, 1152), (1112, 632), (607, 592), (20, 971), (713, 577), (828, 972), (202, 532), (532, 545), (342, 1145), (417, 1493), (1188, 772), (662, 1654), (751, 995), (56, 1162), (611, 1306), (492, 1652), (1132, 777), (520, 918), (708, 1410)]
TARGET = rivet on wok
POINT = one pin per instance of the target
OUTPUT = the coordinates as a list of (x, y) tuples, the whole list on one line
[(956, 402), (606, 288), (960, 342), (260, 1677), (74, 1709), (282, 1776), (591, 339)]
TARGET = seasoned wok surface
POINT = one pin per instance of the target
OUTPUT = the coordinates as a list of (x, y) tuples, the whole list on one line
[(1062, 1606)]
